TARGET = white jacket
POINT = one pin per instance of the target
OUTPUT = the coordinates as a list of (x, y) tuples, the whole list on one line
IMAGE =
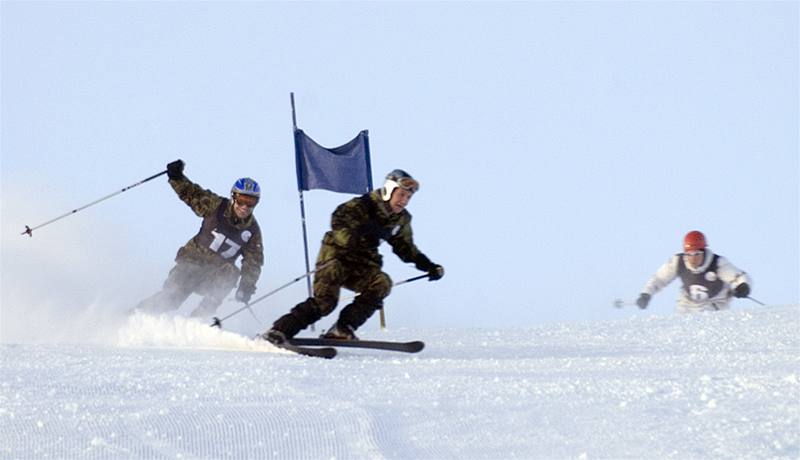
[(709, 288)]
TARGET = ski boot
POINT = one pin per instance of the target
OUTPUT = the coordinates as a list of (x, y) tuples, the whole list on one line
[(274, 337), (340, 332)]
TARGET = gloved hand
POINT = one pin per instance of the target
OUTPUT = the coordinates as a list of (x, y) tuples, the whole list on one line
[(175, 170), (243, 295), (742, 290), (643, 300), (424, 264), (435, 273)]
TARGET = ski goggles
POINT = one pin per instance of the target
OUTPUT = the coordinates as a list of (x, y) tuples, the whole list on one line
[(693, 253), (407, 183), (245, 201)]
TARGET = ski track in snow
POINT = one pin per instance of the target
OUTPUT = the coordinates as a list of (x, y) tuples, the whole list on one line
[(721, 385)]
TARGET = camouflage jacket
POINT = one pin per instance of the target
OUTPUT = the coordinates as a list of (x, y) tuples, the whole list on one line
[(205, 204), (359, 225)]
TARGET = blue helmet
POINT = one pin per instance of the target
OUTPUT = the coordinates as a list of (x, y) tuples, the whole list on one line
[(246, 186)]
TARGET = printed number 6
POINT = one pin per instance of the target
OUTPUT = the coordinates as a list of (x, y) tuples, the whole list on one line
[(698, 292)]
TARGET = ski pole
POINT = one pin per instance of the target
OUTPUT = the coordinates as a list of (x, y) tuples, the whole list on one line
[(756, 301), (29, 230), (382, 314), (217, 322), (413, 278), (619, 303), (419, 277)]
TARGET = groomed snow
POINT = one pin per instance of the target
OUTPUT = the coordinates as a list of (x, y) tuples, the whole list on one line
[(721, 385)]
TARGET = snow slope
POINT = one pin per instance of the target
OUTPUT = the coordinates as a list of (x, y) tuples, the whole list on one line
[(721, 385)]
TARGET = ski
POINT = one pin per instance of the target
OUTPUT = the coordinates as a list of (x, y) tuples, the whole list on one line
[(323, 352), (405, 347)]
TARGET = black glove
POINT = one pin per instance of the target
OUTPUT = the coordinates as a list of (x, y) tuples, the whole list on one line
[(742, 290), (244, 295), (175, 170), (643, 300), (424, 264), (435, 273)]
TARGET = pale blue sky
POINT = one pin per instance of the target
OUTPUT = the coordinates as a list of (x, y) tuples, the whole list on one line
[(563, 149)]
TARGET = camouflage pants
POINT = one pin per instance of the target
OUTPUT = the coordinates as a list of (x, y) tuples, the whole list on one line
[(333, 274), (187, 277)]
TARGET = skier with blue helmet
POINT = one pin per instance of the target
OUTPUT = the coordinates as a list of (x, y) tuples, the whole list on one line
[(206, 264)]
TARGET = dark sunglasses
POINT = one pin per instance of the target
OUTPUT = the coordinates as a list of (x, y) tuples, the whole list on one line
[(245, 201)]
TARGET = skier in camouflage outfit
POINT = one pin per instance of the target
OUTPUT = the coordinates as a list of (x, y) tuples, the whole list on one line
[(349, 258), (206, 263)]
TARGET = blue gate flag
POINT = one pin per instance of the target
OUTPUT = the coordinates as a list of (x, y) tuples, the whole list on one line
[(344, 169)]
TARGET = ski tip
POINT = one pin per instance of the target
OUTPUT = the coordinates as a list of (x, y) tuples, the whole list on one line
[(324, 353)]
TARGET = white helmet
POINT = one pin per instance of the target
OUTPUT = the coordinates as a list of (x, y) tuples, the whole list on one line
[(398, 178)]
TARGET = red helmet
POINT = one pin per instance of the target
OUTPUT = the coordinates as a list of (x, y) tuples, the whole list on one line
[(694, 241)]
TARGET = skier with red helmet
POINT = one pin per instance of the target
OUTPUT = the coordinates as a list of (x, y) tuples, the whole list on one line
[(206, 264), (709, 280)]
